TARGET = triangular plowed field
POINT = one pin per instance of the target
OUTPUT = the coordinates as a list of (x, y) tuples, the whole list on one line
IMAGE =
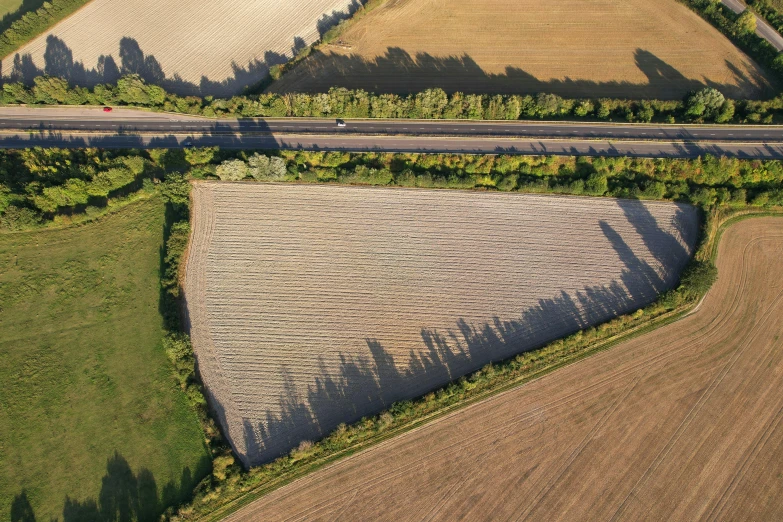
[(312, 305)]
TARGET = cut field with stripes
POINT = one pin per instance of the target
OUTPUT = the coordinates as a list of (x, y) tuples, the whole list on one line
[(682, 423), (312, 305), (216, 47)]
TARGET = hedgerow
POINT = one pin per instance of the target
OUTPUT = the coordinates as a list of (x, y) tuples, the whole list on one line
[(705, 105)]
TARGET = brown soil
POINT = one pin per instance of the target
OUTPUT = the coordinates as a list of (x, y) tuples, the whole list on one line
[(576, 48), (312, 305), (683, 423)]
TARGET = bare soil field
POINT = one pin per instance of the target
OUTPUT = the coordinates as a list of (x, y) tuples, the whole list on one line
[(313, 305), (191, 46), (683, 423), (575, 48)]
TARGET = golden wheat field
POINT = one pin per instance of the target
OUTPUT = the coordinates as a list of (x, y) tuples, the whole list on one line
[(683, 423), (312, 305), (576, 48)]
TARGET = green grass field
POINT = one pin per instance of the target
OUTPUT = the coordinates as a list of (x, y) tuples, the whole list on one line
[(88, 406), (9, 6)]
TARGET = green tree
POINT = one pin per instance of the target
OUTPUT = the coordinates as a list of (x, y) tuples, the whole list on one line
[(746, 22), (705, 104), (232, 170), (264, 168), (596, 184), (132, 90)]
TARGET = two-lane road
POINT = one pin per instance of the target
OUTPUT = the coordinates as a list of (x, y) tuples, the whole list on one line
[(82, 127), (763, 29)]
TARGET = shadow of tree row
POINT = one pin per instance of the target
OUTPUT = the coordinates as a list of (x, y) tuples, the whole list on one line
[(368, 384), (125, 496), (59, 61), (398, 72), (395, 72)]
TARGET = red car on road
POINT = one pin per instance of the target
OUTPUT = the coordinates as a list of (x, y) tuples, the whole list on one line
[(107, 109)]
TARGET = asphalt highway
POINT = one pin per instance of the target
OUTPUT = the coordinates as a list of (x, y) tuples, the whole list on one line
[(89, 127)]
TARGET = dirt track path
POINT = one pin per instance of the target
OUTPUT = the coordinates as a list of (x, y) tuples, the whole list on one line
[(681, 424)]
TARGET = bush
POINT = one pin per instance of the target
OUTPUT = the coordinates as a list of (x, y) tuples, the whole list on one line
[(19, 218), (233, 170), (264, 168), (698, 277), (180, 353)]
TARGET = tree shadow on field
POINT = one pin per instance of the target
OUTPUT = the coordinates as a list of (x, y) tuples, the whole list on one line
[(21, 509), (59, 61), (371, 382), (398, 72), (125, 496), (129, 496), (330, 20)]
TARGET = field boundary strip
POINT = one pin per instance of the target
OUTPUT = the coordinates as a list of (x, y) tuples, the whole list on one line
[(708, 251)]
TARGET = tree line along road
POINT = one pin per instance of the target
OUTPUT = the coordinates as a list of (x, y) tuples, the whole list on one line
[(763, 29)]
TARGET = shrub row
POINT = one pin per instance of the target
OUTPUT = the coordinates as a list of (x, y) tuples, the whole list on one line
[(175, 189), (39, 186), (706, 105), (705, 182)]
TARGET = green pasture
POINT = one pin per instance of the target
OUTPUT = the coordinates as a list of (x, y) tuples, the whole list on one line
[(92, 424)]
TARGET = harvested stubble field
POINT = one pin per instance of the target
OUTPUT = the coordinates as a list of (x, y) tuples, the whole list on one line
[(683, 423), (575, 48), (314, 305), (217, 47)]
